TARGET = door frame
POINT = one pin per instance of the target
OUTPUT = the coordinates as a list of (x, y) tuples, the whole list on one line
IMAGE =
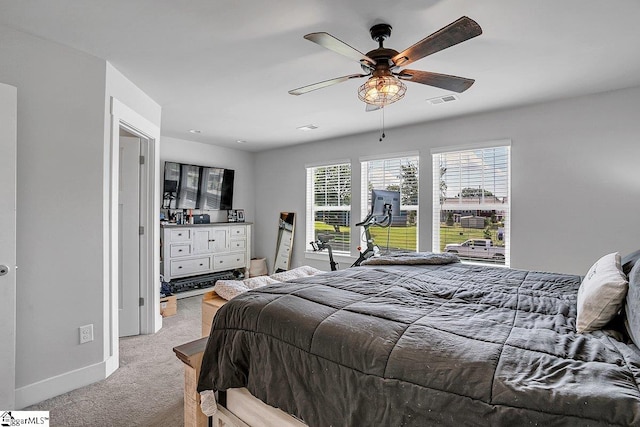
[(150, 320), (8, 282)]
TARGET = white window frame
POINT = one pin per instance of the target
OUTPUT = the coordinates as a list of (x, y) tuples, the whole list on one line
[(436, 192), (364, 189), (310, 206)]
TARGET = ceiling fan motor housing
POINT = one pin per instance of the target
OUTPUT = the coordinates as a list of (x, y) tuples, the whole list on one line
[(382, 55)]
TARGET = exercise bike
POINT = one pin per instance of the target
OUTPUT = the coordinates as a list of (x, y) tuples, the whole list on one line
[(372, 249), (321, 244)]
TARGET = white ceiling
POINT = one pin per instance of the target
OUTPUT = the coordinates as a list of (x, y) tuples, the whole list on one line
[(224, 67)]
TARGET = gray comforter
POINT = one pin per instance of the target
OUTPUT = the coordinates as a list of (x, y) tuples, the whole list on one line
[(423, 345)]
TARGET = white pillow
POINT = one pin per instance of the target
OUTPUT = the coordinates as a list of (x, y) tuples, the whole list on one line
[(229, 289), (296, 273), (601, 293)]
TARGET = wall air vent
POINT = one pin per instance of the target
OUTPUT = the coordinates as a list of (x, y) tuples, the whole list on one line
[(442, 99)]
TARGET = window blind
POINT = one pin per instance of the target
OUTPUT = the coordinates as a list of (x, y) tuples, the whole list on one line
[(329, 204), (471, 201), (397, 174)]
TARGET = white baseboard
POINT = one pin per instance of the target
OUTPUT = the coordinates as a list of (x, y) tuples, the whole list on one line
[(60, 384)]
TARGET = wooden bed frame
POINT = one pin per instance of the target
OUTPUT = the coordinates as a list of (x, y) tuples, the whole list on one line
[(548, 294), (237, 407), (191, 355)]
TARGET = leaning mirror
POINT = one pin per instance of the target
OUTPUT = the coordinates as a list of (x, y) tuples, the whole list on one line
[(286, 225)]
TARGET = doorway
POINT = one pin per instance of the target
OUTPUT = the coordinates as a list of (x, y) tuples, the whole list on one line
[(129, 233), (143, 300), (8, 148)]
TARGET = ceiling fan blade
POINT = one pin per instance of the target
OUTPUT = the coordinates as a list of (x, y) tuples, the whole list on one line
[(443, 81), (458, 31), (328, 41), (320, 85), (371, 107)]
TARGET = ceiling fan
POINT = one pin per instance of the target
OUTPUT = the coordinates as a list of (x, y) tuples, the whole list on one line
[(382, 65)]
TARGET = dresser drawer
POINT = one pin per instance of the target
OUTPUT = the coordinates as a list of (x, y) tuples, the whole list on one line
[(283, 253), (180, 235), (228, 261), (180, 249), (185, 267), (238, 231), (237, 245)]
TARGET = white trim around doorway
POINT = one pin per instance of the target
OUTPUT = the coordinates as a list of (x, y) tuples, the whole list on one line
[(150, 320)]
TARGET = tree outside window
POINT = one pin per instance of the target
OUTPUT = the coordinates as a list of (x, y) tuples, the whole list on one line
[(329, 204), (396, 174)]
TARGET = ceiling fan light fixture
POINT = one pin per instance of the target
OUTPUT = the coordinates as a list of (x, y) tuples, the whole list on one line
[(381, 90)]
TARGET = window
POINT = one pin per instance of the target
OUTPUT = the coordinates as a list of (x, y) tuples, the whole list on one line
[(471, 203), (329, 204), (399, 174)]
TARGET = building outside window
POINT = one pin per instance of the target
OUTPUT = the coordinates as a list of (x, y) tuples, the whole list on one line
[(471, 202)]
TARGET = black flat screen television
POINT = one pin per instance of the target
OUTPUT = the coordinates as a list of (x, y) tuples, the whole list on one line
[(197, 187)]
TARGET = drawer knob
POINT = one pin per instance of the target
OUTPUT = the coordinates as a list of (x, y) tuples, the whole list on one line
[(179, 250), (212, 240), (201, 265), (179, 267)]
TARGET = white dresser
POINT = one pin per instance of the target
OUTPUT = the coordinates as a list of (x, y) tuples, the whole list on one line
[(189, 250)]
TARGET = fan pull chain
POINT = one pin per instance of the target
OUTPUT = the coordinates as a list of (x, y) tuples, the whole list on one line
[(382, 135)]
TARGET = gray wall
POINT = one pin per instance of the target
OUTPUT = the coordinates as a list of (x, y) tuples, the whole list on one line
[(62, 188), (575, 180), (183, 151), (59, 232)]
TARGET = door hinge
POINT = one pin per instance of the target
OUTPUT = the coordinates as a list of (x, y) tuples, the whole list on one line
[(141, 230), (141, 301), (142, 160)]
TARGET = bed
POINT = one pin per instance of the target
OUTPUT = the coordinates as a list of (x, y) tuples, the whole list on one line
[(423, 344)]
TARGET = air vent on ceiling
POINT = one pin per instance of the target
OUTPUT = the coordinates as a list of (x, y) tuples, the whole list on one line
[(307, 127), (442, 99)]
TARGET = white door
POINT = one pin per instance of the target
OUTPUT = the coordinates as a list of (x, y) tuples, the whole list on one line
[(8, 121), (129, 238)]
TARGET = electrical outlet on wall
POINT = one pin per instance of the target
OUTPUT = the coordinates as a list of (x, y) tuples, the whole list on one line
[(86, 333)]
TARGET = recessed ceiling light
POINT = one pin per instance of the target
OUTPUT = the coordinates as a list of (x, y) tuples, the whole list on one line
[(307, 127), (194, 131), (240, 141)]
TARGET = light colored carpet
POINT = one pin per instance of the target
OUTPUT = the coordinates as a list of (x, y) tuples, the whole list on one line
[(147, 389)]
